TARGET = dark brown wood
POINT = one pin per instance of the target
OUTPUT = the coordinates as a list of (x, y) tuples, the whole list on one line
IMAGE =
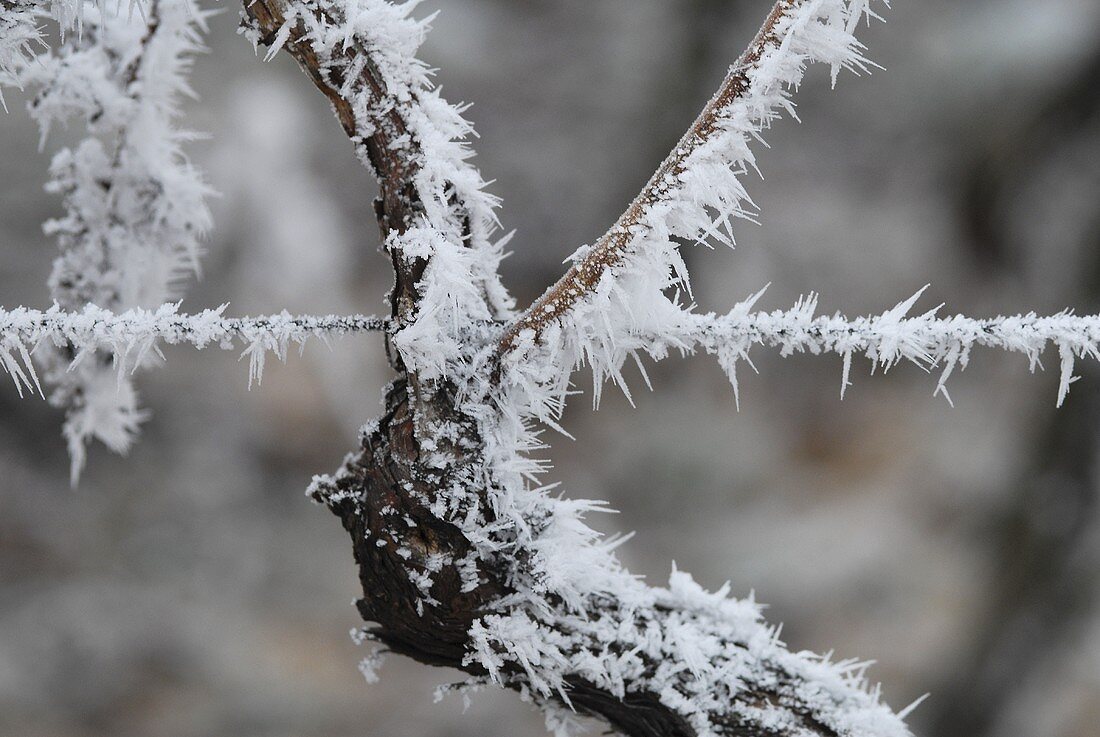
[(383, 497)]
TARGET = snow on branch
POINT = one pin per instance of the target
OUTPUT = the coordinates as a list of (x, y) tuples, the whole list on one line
[(22, 34), (135, 207), (362, 55), (694, 196), (20, 40), (130, 337)]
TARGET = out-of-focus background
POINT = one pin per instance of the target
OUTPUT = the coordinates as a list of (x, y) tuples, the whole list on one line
[(192, 590)]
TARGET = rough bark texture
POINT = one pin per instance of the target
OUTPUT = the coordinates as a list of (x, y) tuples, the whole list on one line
[(383, 498), (381, 491), (384, 492)]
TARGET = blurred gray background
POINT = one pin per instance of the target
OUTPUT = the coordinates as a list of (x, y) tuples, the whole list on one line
[(191, 589)]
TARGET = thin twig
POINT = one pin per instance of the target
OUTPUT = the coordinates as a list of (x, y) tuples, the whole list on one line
[(610, 250)]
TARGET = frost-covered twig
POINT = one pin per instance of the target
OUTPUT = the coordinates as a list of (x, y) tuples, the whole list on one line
[(361, 54), (129, 337), (20, 40), (135, 210), (693, 195), (22, 33)]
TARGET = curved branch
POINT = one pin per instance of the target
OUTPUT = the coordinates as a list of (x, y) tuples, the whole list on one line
[(385, 139), (380, 132), (410, 138), (676, 662)]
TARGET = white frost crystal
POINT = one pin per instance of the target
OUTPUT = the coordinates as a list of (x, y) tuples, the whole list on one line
[(134, 205)]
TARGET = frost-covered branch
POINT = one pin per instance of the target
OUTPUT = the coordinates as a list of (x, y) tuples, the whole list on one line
[(679, 661), (134, 205), (361, 54), (694, 194), (129, 338), (23, 34)]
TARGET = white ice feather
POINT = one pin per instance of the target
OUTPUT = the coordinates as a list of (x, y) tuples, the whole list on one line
[(134, 206)]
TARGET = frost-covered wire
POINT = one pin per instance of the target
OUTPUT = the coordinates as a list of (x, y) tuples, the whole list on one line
[(130, 337), (934, 343), (940, 343), (135, 207)]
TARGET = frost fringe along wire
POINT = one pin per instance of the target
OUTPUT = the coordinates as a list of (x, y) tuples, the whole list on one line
[(131, 337), (931, 342), (943, 343)]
